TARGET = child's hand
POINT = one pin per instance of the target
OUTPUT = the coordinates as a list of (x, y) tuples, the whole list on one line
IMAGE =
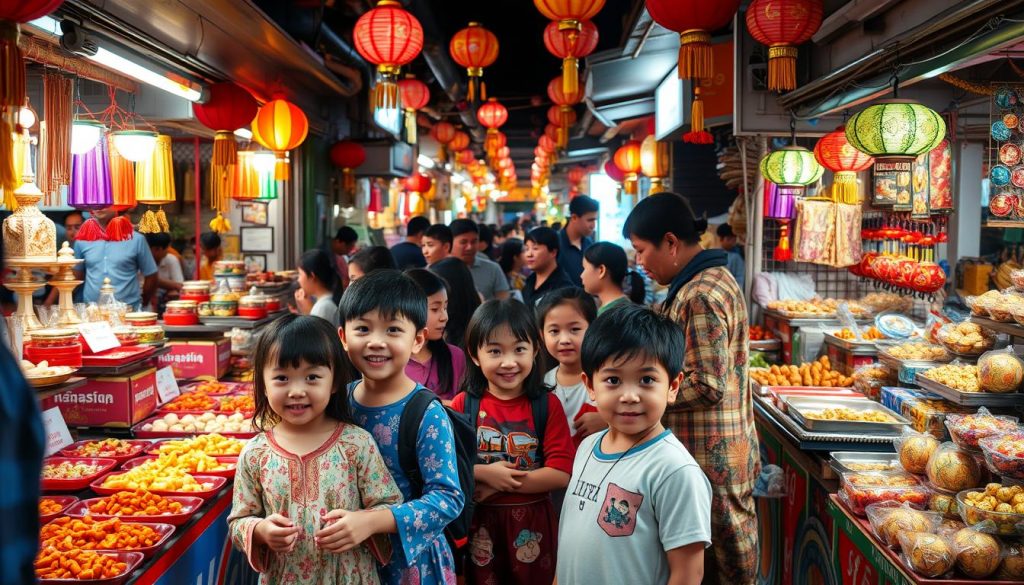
[(483, 492), (504, 477), (344, 530), (589, 423), (278, 533)]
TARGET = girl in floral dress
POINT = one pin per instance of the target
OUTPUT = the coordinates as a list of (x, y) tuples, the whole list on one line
[(308, 485)]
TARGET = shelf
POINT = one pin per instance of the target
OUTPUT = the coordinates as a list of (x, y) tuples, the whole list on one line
[(1011, 329), (71, 383), (1004, 223)]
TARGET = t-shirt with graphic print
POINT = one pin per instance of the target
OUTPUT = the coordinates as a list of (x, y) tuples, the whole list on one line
[(651, 500), (504, 432)]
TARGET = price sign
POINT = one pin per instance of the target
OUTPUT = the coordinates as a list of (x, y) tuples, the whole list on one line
[(99, 335), (166, 386), (57, 434)]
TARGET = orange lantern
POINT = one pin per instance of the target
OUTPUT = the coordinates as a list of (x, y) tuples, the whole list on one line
[(563, 117), (569, 45), (836, 154), (474, 48), (492, 115), (415, 94), (245, 181), (654, 162), (459, 142), (280, 126), (627, 158), (443, 133), (465, 157), (550, 139)]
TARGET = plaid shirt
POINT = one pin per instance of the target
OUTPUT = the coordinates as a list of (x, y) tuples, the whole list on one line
[(21, 462)]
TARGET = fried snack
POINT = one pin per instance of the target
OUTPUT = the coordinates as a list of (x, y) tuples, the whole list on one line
[(86, 533), (243, 403), (68, 470), (135, 503), (849, 414), (965, 338), (191, 401), (104, 448), (870, 334), (211, 388), (48, 507), (962, 378), (816, 373), (918, 351), (206, 422), (167, 479), (78, 564), (190, 461), (212, 444)]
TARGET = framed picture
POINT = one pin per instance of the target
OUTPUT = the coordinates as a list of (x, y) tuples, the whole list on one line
[(257, 239), (255, 262), (255, 212)]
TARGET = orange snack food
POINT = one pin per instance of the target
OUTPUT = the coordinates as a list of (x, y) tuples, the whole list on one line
[(48, 507), (244, 403), (137, 503), (211, 444), (870, 334), (68, 534), (191, 401), (211, 388), (52, 563), (104, 448)]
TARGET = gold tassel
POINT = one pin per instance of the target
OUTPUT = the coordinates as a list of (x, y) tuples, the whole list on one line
[(12, 66), (282, 168), (410, 126), (220, 224), (348, 181), (8, 176), (782, 68), (148, 223), (695, 57), (570, 76), (161, 219), (697, 112), (470, 90), (483, 91), (844, 188), (224, 149)]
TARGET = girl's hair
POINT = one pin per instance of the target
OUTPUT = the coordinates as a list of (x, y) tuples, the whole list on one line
[(583, 302), (614, 259), (440, 352), (654, 217), (320, 264), (373, 258), (507, 253), (495, 315), (462, 297), (290, 340)]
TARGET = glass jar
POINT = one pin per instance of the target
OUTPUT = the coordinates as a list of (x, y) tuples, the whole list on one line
[(252, 307), (151, 334), (195, 290), (181, 313), (224, 308)]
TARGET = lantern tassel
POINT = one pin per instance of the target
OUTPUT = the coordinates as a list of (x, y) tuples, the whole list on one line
[(225, 149), (220, 224), (483, 90), (12, 66), (410, 126), (782, 68), (8, 176), (471, 89), (570, 76), (348, 181), (782, 252), (695, 57), (282, 168), (148, 223), (161, 219), (697, 134), (564, 131), (844, 188), (91, 231), (119, 229)]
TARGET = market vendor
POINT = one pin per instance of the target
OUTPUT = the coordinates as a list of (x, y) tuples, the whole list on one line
[(120, 262), (713, 415), (212, 252)]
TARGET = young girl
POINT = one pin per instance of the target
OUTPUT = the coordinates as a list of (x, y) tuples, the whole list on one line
[(318, 280), (521, 457), (564, 316), (462, 297), (439, 366), (369, 259), (312, 474), (605, 273)]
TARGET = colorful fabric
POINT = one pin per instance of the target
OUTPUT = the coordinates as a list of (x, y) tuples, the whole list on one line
[(426, 373), (346, 472), (713, 414), (421, 553), (512, 544), (575, 402)]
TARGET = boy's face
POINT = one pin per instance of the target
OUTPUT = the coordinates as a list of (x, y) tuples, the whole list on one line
[(380, 348), (539, 257), (631, 395), (434, 250), (464, 247), (158, 253), (564, 328)]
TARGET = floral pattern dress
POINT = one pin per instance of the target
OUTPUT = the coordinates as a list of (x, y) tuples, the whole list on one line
[(421, 553), (346, 472)]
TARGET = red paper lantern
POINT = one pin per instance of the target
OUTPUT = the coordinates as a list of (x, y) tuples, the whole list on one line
[(783, 25), (474, 48), (836, 154), (229, 108), (560, 97), (389, 37), (504, 152), (576, 175), (627, 158), (539, 152), (348, 155), (465, 157), (492, 114), (414, 95), (280, 126), (614, 172), (443, 132), (569, 44), (459, 142), (417, 183), (505, 163), (694, 20)]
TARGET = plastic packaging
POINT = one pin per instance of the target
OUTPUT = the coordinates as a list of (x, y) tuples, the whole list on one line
[(1000, 371), (926, 412), (978, 555), (966, 338), (918, 350), (870, 379), (867, 487), (895, 325), (948, 527), (992, 509), (977, 309), (952, 469), (889, 519), (929, 555), (915, 450), (967, 430), (943, 502), (1012, 567), (1004, 454)]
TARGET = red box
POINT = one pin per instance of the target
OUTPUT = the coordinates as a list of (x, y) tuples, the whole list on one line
[(198, 358), (116, 401)]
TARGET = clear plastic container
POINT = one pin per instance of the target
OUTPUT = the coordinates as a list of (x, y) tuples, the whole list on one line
[(928, 555), (953, 469), (141, 319), (47, 338), (1000, 371), (987, 512), (870, 487), (889, 519), (968, 429), (153, 334), (1004, 454)]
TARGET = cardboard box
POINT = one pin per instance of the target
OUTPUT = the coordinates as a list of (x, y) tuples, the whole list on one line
[(114, 401), (198, 358)]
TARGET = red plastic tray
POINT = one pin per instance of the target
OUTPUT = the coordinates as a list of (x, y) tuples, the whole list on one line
[(137, 448), (66, 503), (189, 506), (156, 450), (132, 559), (137, 432), (232, 388), (228, 473), (215, 481), (74, 485), (164, 530), (118, 356)]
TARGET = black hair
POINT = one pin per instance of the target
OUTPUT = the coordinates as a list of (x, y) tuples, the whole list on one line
[(543, 236), (462, 297), (567, 296), (439, 232), (626, 331), (725, 231), (556, 225), (290, 340), (417, 226), (80, 215), (507, 253), (440, 353), (487, 237), (492, 316), (209, 241), (664, 213), (158, 240), (373, 258), (320, 264), (390, 293), (463, 226), (614, 260), (508, 229), (581, 205), (347, 235)]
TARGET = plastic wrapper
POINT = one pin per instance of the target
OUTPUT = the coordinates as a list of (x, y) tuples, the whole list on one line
[(1004, 454), (914, 450), (953, 469), (861, 489), (1012, 567), (878, 302), (978, 555), (966, 338), (943, 502), (771, 483), (968, 429), (926, 412), (889, 519), (994, 509), (997, 308), (948, 527), (977, 309), (1000, 371), (241, 341), (928, 555), (870, 379)]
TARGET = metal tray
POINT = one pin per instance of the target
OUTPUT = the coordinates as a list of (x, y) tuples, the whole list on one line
[(852, 346), (797, 407), (765, 344), (841, 459), (970, 398)]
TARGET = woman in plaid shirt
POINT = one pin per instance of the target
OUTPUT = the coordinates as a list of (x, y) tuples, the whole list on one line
[(713, 415)]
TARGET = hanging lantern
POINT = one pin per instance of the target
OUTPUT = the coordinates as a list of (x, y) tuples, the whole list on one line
[(549, 141), (85, 134), (783, 25), (443, 133), (90, 188), (654, 162), (505, 163), (122, 177), (563, 117), (245, 180), (627, 158), (348, 155), (459, 142), (417, 183), (228, 108), (780, 205), (465, 157), (492, 115), (154, 185), (389, 37), (694, 20), (569, 45), (835, 153), (415, 95), (281, 126), (133, 145), (792, 168), (474, 48)]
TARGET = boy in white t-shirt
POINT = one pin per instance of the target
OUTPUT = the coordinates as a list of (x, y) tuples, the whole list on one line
[(648, 498)]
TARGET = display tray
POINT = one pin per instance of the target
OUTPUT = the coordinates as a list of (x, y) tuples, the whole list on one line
[(782, 394), (852, 345), (802, 320), (216, 483), (156, 449), (189, 506), (819, 441), (132, 559), (66, 502), (118, 356), (842, 461), (799, 407), (970, 398), (240, 322), (74, 485), (230, 388), (231, 462), (164, 530), (141, 434), (138, 447), (766, 344)]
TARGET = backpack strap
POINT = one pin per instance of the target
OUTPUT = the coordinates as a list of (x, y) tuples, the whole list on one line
[(408, 432), (472, 409), (539, 407)]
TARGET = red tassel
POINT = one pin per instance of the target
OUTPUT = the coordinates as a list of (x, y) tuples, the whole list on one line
[(91, 231), (702, 137), (120, 229), (782, 252)]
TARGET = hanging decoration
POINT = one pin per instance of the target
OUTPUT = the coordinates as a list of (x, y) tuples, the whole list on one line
[(570, 45), (492, 115), (781, 206), (459, 142), (229, 108), (792, 168), (245, 180), (565, 102), (280, 126), (564, 118), (122, 177), (835, 153), (694, 20), (154, 185), (627, 159), (348, 155), (465, 157), (90, 188), (416, 186), (474, 48), (654, 162), (783, 25), (58, 100), (443, 133), (415, 95), (389, 37), (575, 177)]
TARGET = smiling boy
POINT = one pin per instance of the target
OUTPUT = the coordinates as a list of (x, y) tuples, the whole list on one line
[(636, 481)]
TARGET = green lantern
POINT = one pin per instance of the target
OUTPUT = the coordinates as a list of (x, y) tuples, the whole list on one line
[(791, 167), (896, 128)]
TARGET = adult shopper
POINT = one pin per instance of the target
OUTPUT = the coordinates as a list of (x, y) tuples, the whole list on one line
[(407, 254), (490, 281), (120, 262), (574, 239), (712, 415)]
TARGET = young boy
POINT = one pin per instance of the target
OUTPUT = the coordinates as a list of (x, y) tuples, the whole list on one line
[(384, 317), (437, 243), (636, 481)]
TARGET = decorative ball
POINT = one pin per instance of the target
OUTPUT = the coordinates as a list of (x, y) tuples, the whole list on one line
[(977, 555), (902, 520), (1000, 372), (1012, 567), (916, 451), (929, 555), (953, 470)]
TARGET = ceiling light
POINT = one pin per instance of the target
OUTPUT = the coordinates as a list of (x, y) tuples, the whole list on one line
[(134, 145), (425, 161), (244, 133), (84, 135), (264, 162)]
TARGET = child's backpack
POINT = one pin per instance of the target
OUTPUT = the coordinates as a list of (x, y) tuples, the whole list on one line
[(464, 430)]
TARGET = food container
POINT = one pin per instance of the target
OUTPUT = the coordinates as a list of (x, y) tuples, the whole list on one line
[(895, 325), (205, 309), (229, 267), (889, 519), (126, 335), (224, 308), (235, 282), (214, 482), (70, 356), (125, 450), (273, 304), (154, 334), (64, 502), (164, 530), (189, 506), (195, 290), (241, 341), (805, 411), (132, 560), (141, 319), (75, 484), (977, 308), (52, 338), (252, 307), (869, 487), (181, 313), (968, 430), (1004, 454), (230, 462), (855, 461), (1003, 523), (944, 502)]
